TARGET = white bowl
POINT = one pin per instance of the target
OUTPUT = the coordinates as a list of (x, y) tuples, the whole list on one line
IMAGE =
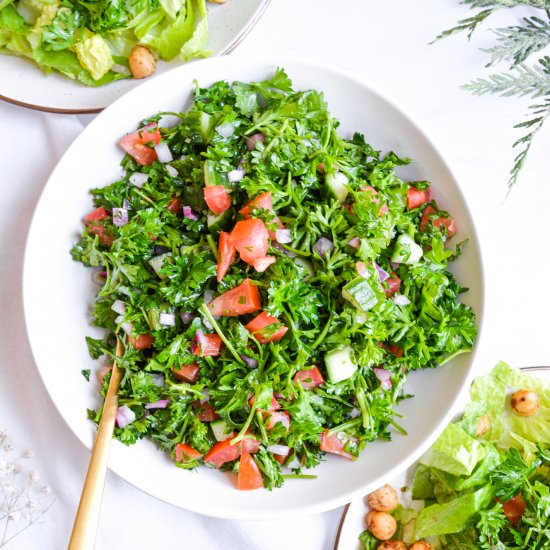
[(58, 292)]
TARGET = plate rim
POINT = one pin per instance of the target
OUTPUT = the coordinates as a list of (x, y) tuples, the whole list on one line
[(230, 47), (281, 59)]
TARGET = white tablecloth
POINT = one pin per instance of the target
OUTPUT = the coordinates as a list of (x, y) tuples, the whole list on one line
[(387, 44)]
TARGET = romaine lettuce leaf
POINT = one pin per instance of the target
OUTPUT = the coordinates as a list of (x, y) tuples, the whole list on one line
[(94, 55)]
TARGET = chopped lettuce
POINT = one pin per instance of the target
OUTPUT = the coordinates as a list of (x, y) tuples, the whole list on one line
[(94, 55)]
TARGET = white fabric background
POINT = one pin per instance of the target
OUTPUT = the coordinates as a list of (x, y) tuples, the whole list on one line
[(387, 44)]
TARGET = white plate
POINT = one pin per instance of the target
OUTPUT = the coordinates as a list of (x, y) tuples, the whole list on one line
[(58, 292), (23, 83), (352, 523)]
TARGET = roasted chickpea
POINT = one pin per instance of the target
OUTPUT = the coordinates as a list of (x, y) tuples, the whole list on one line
[(381, 525), (142, 62), (482, 425), (525, 403), (421, 545), (384, 499), (392, 545)]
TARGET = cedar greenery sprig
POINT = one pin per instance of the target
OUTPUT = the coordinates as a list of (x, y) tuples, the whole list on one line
[(514, 45)]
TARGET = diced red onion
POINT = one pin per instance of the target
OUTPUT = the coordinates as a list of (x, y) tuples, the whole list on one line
[(225, 130), (384, 376), (278, 395), (208, 324), (124, 416), (234, 176), (206, 394), (189, 214), (120, 216), (283, 236), (362, 269), (126, 204), (119, 307), (282, 450), (323, 247), (160, 404), (261, 264), (99, 277), (126, 327), (294, 464), (186, 317), (354, 413), (200, 339), (208, 295), (172, 171), (163, 152), (355, 242), (282, 249), (381, 273), (158, 379), (159, 249), (167, 319), (138, 179), (401, 300), (168, 121), (394, 265), (252, 140), (241, 166), (250, 361)]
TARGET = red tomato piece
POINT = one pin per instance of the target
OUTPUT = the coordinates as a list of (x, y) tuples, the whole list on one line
[(103, 371), (244, 298), (206, 411), (141, 341), (186, 453), (261, 264), (394, 284), (251, 239), (175, 205), (258, 327), (209, 347), (396, 350), (276, 417), (514, 509), (187, 373), (417, 197), (136, 144), (217, 198), (449, 223), (95, 223), (222, 452), (310, 378), (281, 459), (375, 199), (226, 254), (337, 443), (249, 476), (274, 403), (264, 201)]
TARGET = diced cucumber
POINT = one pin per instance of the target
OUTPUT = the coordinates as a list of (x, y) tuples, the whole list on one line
[(406, 251), (193, 197), (337, 185), (306, 264), (360, 294), (157, 262), (201, 126), (220, 430), (212, 176), (217, 223), (340, 365)]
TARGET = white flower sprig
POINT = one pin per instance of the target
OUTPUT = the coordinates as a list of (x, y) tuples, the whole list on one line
[(23, 500)]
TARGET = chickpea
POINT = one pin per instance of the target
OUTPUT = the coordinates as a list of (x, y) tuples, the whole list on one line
[(142, 62), (482, 425), (525, 403), (384, 499), (392, 545), (381, 524), (421, 545)]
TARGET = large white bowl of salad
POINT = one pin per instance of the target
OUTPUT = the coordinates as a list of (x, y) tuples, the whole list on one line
[(285, 256)]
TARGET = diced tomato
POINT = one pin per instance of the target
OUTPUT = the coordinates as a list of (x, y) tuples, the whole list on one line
[(249, 476), (264, 201), (135, 144), (514, 509), (175, 205), (375, 199), (244, 298), (274, 403), (310, 378), (251, 239), (250, 445), (259, 328), (449, 223), (336, 443), (396, 350), (226, 254), (217, 198), (281, 459), (206, 411), (394, 284), (187, 373), (222, 452), (417, 197), (103, 371), (141, 341), (186, 453), (94, 221), (209, 346), (261, 264), (276, 417)]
